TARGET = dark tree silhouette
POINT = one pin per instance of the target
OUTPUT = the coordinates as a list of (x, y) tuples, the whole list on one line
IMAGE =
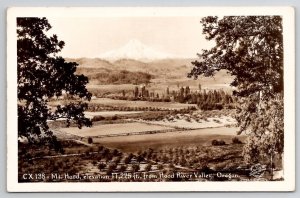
[(250, 48), (43, 75)]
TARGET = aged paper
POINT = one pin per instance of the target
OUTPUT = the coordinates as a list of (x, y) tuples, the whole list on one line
[(150, 99)]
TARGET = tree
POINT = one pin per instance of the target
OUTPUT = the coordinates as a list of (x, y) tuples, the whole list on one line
[(139, 158), (43, 76), (123, 168), (250, 48), (90, 140), (148, 167), (135, 167), (160, 166), (101, 166)]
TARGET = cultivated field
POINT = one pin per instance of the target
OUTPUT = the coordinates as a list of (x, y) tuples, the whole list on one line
[(143, 137), (109, 113), (185, 138), (125, 103), (185, 121), (115, 129)]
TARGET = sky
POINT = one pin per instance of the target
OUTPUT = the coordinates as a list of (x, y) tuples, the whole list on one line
[(91, 37)]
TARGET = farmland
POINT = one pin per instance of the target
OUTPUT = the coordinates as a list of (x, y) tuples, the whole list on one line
[(142, 137), (137, 136), (165, 143), (138, 104), (115, 129), (181, 138), (169, 141), (175, 109), (141, 154), (109, 113)]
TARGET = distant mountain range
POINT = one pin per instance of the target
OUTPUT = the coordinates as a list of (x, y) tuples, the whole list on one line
[(136, 50), (160, 72), (164, 67), (136, 63)]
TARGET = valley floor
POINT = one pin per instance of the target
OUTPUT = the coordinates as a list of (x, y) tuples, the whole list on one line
[(163, 145)]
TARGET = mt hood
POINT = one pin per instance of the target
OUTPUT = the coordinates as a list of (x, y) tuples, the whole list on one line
[(136, 50)]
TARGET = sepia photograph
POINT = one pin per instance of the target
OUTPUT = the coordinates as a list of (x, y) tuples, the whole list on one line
[(151, 97)]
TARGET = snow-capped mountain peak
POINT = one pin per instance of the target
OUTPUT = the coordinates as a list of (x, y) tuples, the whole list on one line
[(136, 50)]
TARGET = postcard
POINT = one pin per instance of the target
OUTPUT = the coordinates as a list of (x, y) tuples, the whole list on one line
[(150, 99)]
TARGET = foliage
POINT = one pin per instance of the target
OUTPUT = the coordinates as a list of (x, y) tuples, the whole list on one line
[(119, 77), (148, 167), (123, 168), (266, 126), (101, 166), (90, 140), (250, 48), (160, 166), (218, 142), (208, 159), (206, 100), (236, 140), (135, 167), (211, 100), (43, 75)]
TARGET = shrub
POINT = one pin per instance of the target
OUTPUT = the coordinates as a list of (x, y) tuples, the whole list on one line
[(171, 166), (204, 168), (101, 166), (176, 160), (100, 148), (115, 152), (113, 166), (105, 152), (115, 117), (123, 168), (109, 170), (98, 118), (127, 160), (148, 167), (217, 142), (183, 162), (109, 157), (188, 119), (236, 140), (165, 159), (139, 158), (217, 121), (117, 160), (94, 162), (160, 166), (135, 167), (130, 155), (90, 140)]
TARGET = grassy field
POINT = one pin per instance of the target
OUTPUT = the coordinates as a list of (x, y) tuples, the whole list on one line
[(200, 137), (114, 129), (125, 103), (130, 104), (188, 122), (109, 113)]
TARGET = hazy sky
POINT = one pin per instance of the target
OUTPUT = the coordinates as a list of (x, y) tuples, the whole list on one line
[(90, 37)]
